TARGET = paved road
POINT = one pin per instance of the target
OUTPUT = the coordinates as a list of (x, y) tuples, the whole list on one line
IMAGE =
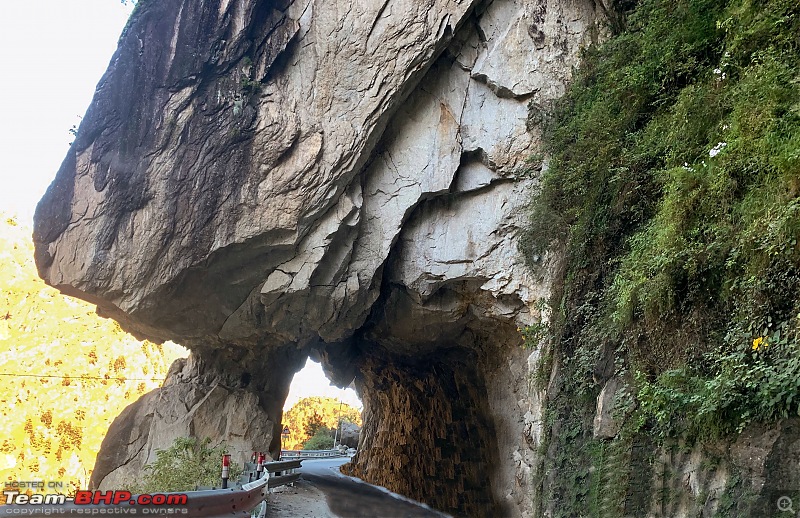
[(349, 498)]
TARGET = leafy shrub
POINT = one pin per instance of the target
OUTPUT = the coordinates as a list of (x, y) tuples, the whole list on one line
[(728, 390), (322, 440), (185, 465)]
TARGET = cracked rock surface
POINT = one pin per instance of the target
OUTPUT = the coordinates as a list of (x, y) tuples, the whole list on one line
[(261, 181)]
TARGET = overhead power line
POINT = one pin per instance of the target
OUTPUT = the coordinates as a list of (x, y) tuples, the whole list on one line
[(102, 378)]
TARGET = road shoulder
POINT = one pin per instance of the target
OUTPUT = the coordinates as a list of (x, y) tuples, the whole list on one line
[(298, 501)]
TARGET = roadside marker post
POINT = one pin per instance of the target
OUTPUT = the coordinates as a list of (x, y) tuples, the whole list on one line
[(226, 469), (260, 465)]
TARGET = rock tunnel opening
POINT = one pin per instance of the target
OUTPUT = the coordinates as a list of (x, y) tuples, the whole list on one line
[(433, 375), (314, 404)]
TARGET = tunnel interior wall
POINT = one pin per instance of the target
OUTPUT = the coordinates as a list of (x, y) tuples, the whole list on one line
[(427, 433)]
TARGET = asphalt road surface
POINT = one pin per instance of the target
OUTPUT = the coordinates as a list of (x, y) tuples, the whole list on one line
[(351, 498)]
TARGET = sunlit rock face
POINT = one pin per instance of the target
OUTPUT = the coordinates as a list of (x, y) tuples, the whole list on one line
[(214, 191), (260, 181), (198, 399)]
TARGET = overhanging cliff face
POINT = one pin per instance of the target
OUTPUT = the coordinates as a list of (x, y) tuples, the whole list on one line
[(260, 181), (223, 150)]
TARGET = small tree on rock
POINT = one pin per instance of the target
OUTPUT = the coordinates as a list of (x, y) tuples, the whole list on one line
[(323, 440), (186, 464)]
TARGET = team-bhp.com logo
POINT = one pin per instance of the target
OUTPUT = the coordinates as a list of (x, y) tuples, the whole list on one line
[(120, 497), (92, 502)]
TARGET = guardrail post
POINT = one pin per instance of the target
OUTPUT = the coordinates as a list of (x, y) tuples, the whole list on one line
[(226, 468), (260, 466)]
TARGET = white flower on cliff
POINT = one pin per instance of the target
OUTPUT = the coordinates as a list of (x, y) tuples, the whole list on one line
[(714, 151)]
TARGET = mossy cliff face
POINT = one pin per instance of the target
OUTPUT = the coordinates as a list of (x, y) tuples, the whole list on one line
[(263, 181), (673, 174)]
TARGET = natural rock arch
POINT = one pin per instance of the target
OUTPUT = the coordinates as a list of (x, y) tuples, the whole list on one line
[(261, 181)]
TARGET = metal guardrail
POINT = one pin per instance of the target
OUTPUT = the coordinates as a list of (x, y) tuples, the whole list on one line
[(309, 454), (283, 465), (280, 472), (206, 503), (217, 503), (282, 480)]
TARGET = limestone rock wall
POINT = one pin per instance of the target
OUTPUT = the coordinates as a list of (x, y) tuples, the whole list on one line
[(745, 475), (198, 399), (226, 187), (218, 160)]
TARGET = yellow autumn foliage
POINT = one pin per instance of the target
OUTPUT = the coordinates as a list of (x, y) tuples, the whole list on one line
[(327, 408), (65, 372)]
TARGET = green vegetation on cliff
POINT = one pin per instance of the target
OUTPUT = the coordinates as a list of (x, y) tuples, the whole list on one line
[(673, 187), (674, 178)]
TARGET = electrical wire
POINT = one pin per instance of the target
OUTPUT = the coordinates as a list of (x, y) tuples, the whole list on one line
[(82, 377)]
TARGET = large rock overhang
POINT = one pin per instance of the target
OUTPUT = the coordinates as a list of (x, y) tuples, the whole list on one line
[(225, 139), (260, 181)]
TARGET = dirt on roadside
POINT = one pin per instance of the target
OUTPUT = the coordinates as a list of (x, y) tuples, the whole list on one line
[(301, 500)]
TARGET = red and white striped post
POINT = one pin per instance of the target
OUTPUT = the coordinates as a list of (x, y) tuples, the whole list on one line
[(226, 469), (260, 465)]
